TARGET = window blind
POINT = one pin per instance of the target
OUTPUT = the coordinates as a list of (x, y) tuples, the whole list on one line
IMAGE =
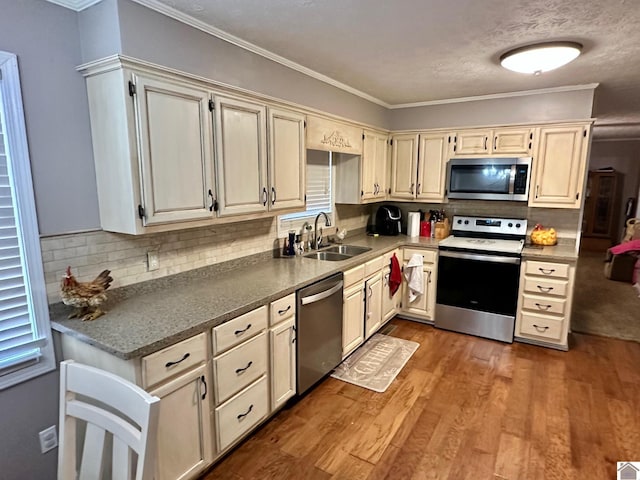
[(319, 197), (18, 333)]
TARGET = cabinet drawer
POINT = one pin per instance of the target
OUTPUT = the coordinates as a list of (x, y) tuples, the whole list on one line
[(239, 329), (547, 269), (282, 309), (174, 359), (429, 256), (541, 326), (545, 286), (237, 368), (241, 413), (354, 275), (544, 304), (373, 266)]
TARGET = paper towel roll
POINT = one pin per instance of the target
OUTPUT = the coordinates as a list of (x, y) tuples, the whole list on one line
[(413, 224)]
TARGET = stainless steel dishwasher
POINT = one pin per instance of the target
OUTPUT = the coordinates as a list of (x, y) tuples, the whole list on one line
[(319, 330)]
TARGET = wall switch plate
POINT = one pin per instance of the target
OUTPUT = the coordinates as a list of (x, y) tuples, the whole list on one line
[(153, 262), (48, 439)]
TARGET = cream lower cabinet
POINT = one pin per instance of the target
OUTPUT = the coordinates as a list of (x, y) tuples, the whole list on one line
[(423, 306), (240, 376), (373, 304), (184, 438), (353, 310), (559, 166), (282, 344), (544, 303)]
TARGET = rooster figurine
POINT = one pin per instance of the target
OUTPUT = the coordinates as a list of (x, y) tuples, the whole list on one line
[(86, 297)]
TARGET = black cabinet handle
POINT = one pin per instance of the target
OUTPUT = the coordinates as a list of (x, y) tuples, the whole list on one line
[(273, 195), (541, 328), (546, 271), (282, 312), (294, 334), (204, 382), (242, 415), (213, 202), (495, 141), (543, 307), (241, 370), (544, 289), (240, 332), (171, 364)]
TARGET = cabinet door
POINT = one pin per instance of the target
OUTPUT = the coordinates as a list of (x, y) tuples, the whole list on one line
[(369, 152), (404, 161), (287, 160), (241, 158), (353, 318), (513, 141), (434, 154), (283, 362), (175, 150), (381, 166), (389, 302), (472, 142), (559, 167), (423, 306), (373, 304), (184, 426)]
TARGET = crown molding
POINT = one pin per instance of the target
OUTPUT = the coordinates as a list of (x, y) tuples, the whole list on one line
[(492, 96), (76, 5), (227, 37)]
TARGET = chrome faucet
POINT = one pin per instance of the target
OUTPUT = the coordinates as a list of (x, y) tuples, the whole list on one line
[(317, 243)]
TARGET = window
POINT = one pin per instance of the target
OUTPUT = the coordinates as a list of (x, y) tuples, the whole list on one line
[(25, 337), (319, 193)]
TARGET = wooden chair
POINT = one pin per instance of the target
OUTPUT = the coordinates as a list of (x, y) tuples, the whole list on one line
[(107, 404)]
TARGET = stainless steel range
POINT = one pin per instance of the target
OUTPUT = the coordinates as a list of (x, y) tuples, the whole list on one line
[(478, 276)]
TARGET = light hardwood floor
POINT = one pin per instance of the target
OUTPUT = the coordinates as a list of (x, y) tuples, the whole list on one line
[(462, 408)]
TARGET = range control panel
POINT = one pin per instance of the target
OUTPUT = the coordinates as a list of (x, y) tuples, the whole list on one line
[(489, 225)]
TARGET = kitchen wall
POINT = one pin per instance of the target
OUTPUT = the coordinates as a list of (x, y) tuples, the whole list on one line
[(532, 108), (623, 156)]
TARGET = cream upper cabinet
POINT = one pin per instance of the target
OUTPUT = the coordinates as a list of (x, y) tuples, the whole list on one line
[(498, 141), (559, 166), (374, 165), (153, 150), (241, 156), (432, 166), (287, 159), (404, 161)]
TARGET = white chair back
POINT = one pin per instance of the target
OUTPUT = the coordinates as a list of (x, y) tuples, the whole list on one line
[(111, 405)]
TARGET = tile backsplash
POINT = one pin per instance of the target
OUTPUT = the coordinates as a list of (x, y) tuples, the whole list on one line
[(126, 256)]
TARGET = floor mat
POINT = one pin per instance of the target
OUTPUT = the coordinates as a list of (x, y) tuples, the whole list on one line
[(376, 363)]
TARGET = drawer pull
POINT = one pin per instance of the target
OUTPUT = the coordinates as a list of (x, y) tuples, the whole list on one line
[(240, 332), (282, 312), (184, 357), (543, 307), (241, 370), (546, 271), (544, 289), (242, 415), (293, 333), (539, 328), (204, 382)]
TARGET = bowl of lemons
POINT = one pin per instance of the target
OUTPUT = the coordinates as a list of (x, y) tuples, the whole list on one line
[(544, 236)]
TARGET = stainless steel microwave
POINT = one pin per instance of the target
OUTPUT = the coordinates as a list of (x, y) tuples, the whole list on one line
[(489, 178)]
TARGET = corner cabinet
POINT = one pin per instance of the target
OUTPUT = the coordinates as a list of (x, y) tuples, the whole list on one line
[(560, 162), (173, 152)]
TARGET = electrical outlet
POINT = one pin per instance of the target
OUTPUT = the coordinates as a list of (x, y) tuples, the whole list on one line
[(48, 439), (153, 262)]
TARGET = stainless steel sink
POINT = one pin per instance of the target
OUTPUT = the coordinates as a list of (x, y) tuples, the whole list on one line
[(330, 256), (350, 250)]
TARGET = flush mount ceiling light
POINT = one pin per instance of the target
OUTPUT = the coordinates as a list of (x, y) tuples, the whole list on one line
[(540, 57)]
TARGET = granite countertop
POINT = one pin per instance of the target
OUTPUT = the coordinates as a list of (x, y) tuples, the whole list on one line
[(564, 251), (146, 317)]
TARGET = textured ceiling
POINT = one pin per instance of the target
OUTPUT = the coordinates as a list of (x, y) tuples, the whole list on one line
[(408, 51)]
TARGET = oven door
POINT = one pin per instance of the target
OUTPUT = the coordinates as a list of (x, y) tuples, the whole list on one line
[(477, 293)]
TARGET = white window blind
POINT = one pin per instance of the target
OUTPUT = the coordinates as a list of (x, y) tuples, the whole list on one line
[(25, 337), (319, 195)]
